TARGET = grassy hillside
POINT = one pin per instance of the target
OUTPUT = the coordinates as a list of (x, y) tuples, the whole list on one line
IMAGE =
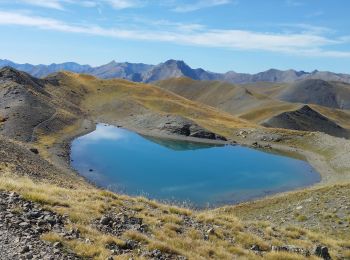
[(144, 229), (100, 97), (306, 119), (262, 102), (230, 98), (318, 92)]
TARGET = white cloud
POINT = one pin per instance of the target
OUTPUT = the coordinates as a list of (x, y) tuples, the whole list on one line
[(175, 5), (200, 4), (60, 4), (307, 28), (103, 132), (54, 4), (325, 53), (305, 43), (123, 4), (88, 3)]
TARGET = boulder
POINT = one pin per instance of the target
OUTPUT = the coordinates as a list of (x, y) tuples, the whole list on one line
[(34, 150), (181, 126), (322, 251)]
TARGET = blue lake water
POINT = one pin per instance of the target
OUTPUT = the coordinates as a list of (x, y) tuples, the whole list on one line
[(200, 174)]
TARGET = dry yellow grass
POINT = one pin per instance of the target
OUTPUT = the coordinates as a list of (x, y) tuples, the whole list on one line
[(98, 96), (169, 233), (341, 117), (267, 111)]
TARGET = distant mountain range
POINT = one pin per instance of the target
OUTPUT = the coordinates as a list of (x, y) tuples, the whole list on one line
[(140, 72)]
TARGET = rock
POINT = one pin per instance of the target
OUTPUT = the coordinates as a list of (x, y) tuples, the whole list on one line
[(131, 244), (51, 220), (322, 251), (105, 220), (255, 248), (291, 249), (181, 126), (57, 244), (33, 214), (73, 233), (156, 253), (242, 132), (25, 249), (211, 231), (34, 150), (41, 222), (24, 225), (116, 224), (2, 120)]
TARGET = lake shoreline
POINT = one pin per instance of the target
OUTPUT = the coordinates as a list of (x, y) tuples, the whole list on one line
[(116, 158), (314, 159), (327, 173)]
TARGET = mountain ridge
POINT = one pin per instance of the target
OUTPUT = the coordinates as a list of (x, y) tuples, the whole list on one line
[(140, 72)]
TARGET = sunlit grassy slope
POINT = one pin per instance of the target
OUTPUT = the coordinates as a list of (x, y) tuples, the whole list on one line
[(169, 230), (120, 97), (255, 102), (172, 229)]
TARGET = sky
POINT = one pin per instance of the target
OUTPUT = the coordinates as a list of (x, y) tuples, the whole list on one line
[(217, 35)]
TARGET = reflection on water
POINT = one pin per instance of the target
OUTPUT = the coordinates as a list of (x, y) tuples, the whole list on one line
[(180, 145), (201, 174)]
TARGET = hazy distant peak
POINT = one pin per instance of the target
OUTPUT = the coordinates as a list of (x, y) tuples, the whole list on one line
[(113, 62), (172, 68)]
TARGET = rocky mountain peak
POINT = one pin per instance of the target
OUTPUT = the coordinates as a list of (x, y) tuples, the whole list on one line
[(112, 63), (174, 69), (177, 64), (23, 78)]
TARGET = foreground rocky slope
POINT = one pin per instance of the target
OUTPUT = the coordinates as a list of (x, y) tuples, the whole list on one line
[(22, 224), (80, 220)]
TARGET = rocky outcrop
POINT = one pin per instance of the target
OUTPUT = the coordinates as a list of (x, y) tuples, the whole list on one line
[(306, 119), (291, 249), (21, 225), (181, 126), (24, 103), (117, 224), (22, 78)]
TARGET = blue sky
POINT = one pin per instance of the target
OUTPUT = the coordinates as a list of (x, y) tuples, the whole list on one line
[(218, 35)]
